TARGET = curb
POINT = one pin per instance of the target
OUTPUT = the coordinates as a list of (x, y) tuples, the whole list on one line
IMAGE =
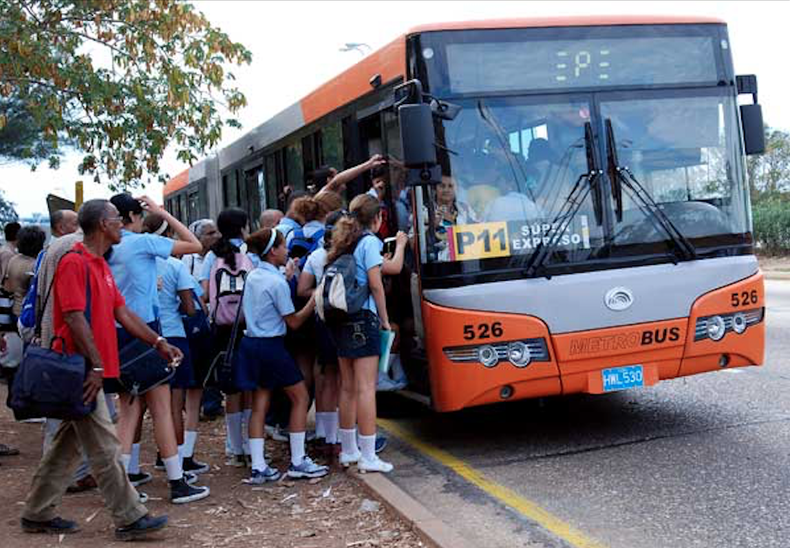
[(431, 529), (776, 275)]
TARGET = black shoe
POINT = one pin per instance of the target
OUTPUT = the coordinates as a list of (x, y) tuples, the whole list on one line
[(140, 478), (56, 526), (181, 492), (195, 467), (159, 464), (141, 527)]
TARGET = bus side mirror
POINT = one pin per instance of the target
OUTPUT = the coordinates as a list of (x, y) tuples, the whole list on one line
[(417, 135), (753, 130), (751, 116)]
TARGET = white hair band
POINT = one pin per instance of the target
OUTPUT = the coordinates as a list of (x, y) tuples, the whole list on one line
[(271, 242), (162, 228)]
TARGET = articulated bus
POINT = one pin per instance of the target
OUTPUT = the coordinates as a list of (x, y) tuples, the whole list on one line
[(586, 227)]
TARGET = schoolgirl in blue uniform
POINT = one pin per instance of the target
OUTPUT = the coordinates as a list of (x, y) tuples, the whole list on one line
[(233, 224), (358, 338), (176, 289), (327, 391), (133, 265), (262, 363)]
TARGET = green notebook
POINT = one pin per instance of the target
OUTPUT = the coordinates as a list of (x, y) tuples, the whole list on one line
[(387, 338)]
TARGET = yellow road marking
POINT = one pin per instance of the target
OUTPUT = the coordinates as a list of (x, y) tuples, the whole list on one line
[(507, 496)]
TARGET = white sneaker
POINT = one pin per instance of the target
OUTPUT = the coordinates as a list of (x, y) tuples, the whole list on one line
[(347, 459), (373, 465), (280, 434)]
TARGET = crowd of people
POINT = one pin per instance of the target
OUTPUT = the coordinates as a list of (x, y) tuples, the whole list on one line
[(231, 316)]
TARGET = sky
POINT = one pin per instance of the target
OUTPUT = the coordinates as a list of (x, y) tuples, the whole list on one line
[(295, 48)]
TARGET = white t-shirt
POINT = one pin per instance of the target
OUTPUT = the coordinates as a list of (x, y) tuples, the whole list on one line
[(316, 263), (512, 207)]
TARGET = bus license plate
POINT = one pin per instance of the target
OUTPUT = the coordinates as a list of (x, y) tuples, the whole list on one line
[(621, 378)]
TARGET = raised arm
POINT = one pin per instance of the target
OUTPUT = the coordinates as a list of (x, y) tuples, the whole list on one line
[(393, 265), (339, 181), (187, 242)]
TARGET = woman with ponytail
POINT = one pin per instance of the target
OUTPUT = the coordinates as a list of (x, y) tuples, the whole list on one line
[(262, 362), (232, 224), (358, 338)]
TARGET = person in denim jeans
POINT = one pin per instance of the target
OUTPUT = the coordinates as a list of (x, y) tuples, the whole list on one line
[(358, 339)]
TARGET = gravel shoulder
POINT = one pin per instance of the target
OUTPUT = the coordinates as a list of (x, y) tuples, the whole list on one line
[(331, 512)]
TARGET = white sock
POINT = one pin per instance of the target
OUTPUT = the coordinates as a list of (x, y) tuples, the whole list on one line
[(234, 433), (181, 454), (125, 458), (173, 468), (330, 424), (297, 447), (190, 437), (348, 441), (228, 448), (320, 424), (256, 451), (134, 460), (245, 431), (367, 444)]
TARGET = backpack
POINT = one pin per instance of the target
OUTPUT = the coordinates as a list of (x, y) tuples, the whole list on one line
[(27, 318), (301, 246), (339, 294), (225, 288), (286, 226)]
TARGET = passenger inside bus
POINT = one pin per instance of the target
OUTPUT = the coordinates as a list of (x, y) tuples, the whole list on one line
[(513, 203), (449, 209), (538, 166)]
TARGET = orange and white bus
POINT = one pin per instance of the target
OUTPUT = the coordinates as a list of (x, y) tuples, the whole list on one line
[(587, 225)]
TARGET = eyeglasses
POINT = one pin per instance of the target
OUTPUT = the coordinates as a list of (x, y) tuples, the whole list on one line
[(117, 219)]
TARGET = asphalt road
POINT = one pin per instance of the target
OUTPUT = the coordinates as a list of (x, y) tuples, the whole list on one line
[(694, 462)]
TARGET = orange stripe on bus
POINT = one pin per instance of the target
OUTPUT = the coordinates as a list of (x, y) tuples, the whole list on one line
[(389, 62), (176, 183)]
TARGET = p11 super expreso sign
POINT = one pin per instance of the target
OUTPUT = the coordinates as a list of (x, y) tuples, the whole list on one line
[(503, 239)]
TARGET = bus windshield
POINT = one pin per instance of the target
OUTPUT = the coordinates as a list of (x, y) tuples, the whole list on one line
[(507, 178), (512, 156)]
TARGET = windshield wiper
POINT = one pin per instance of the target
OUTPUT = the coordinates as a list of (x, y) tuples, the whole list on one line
[(570, 207), (622, 176)]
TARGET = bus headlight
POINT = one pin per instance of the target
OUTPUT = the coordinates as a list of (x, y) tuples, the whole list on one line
[(518, 354), (739, 323), (716, 328), (487, 355)]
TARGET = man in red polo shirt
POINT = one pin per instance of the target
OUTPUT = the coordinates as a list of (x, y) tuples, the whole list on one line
[(95, 434)]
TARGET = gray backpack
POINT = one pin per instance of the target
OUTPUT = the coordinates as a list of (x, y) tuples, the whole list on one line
[(339, 294)]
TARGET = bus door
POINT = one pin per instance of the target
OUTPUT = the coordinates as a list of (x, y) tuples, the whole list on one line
[(255, 194)]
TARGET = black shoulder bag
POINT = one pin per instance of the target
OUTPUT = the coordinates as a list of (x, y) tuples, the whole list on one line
[(220, 373)]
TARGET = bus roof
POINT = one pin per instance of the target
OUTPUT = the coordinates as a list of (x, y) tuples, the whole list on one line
[(568, 21), (390, 62), (177, 183)]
